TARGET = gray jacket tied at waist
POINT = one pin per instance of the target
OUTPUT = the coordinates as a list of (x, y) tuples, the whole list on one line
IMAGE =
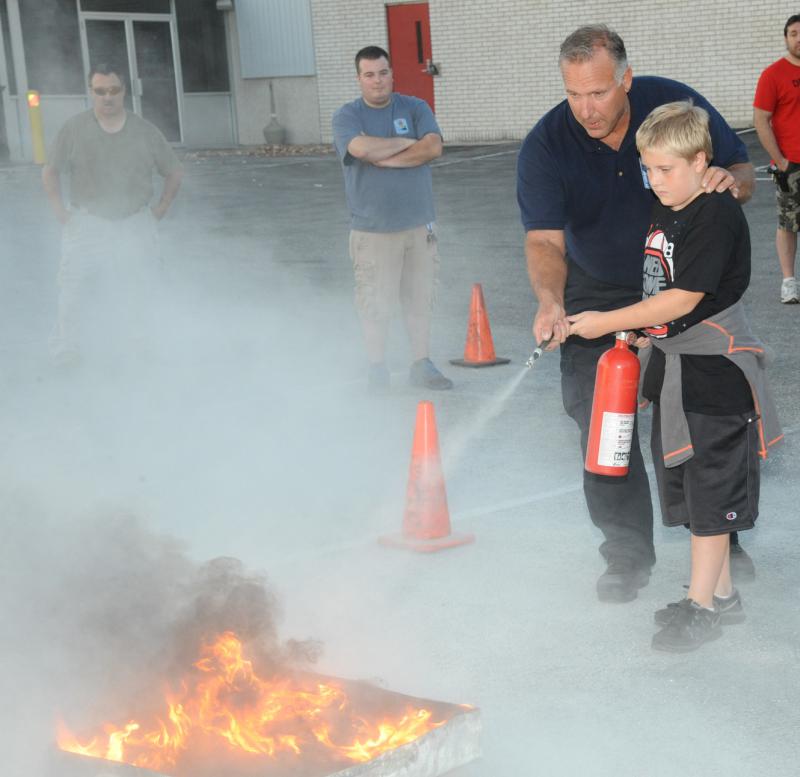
[(725, 334)]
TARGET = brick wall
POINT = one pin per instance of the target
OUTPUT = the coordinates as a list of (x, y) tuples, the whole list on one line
[(341, 28), (499, 60)]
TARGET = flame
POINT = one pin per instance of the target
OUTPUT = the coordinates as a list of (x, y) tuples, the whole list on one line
[(224, 699)]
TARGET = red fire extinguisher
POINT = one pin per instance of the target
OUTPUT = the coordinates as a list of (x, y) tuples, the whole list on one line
[(613, 410)]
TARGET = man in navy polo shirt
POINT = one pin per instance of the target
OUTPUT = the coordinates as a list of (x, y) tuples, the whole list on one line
[(585, 205)]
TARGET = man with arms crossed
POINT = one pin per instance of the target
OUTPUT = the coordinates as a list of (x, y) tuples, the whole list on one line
[(385, 141), (585, 205)]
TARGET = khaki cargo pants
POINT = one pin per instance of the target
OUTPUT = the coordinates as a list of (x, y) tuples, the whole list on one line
[(395, 269)]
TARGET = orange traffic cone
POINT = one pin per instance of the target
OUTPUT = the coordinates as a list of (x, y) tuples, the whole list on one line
[(479, 350), (426, 525)]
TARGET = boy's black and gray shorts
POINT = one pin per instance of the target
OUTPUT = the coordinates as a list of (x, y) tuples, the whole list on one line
[(716, 491)]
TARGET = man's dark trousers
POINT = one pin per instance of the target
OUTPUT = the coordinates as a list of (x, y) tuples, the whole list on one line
[(621, 507)]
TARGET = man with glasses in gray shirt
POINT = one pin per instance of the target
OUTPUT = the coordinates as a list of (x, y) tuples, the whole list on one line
[(109, 239)]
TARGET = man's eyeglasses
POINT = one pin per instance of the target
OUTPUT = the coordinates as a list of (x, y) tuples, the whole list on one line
[(102, 91)]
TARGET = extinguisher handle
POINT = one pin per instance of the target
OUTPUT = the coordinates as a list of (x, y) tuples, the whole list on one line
[(635, 334)]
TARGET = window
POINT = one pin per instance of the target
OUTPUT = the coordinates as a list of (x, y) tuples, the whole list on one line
[(52, 46), (201, 37), (275, 38), (126, 6)]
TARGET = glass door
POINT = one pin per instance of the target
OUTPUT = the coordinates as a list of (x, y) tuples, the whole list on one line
[(155, 70), (106, 41), (143, 48)]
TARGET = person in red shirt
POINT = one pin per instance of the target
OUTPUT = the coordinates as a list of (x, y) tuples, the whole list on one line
[(776, 117)]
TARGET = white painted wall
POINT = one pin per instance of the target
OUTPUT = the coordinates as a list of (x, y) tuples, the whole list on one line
[(499, 70), (499, 60), (208, 119)]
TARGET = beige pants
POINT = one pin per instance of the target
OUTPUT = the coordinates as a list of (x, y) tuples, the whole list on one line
[(395, 269)]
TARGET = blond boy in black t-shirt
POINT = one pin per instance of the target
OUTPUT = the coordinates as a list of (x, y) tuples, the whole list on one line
[(697, 266)]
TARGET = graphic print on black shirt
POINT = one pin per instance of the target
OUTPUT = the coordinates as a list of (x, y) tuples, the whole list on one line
[(704, 247), (658, 270)]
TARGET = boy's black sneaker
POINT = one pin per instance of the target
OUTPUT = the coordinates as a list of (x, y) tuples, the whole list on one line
[(730, 610), (691, 626)]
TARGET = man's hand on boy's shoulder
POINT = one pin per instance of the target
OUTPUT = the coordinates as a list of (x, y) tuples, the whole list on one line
[(718, 179), (739, 178)]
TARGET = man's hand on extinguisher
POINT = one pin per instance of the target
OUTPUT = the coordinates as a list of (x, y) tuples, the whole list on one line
[(550, 324)]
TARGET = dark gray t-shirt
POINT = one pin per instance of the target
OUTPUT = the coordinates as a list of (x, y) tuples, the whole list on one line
[(383, 199), (111, 173)]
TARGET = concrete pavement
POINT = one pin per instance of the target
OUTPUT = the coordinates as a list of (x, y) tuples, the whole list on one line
[(249, 433)]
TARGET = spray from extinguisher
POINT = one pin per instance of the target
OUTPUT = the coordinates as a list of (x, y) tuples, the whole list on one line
[(613, 410)]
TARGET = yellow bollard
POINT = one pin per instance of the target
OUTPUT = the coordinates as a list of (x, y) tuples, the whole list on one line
[(37, 133)]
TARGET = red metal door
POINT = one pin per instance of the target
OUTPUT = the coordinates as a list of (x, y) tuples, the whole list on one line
[(410, 49)]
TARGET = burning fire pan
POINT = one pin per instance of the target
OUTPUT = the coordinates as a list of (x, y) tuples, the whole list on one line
[(452, 744)]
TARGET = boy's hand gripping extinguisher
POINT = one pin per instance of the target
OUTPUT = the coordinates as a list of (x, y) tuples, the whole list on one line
[(613, 410)]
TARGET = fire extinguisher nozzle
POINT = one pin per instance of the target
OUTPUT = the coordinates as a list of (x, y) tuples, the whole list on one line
[(538, 352)]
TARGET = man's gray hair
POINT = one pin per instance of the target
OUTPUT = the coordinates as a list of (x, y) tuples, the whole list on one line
[(582, 44)]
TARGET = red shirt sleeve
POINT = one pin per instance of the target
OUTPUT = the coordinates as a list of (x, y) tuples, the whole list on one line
[(766, 92)]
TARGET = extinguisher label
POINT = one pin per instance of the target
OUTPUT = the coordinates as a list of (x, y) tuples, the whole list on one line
[(616, 435)]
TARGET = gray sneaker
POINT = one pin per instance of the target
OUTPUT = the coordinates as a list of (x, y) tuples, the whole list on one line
[(423, 373), (730, 610), (789, 294)]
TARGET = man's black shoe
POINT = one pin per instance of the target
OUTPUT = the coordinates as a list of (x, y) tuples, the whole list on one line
[(743, 570), (378, 379), (423, 372), (691, 626), (621, 581), (730, 610)]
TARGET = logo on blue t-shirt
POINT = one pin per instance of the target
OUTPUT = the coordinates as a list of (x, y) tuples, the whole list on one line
[(644, 174), (401, 126)]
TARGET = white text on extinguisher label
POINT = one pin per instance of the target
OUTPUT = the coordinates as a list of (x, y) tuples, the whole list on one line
[(616, 434)]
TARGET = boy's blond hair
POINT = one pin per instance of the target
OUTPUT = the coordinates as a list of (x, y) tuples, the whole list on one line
[(679, 128)]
